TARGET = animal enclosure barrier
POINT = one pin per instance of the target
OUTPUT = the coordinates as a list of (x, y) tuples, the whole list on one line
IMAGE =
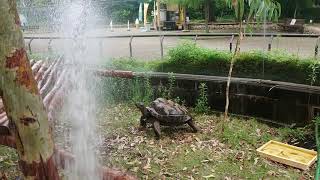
[(194, 36), (278, 102)]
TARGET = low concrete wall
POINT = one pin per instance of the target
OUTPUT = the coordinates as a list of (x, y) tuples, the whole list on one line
[(230, 26), (312, 29), (271, 104), (278, 102)]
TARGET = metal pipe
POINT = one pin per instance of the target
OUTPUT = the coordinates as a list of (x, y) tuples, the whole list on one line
[(179, 34), (161, 46), (231, 43), (101, 47), (316, 49), (49, 45), (204, 78), (29, 45), (130, 46), (270, 43)]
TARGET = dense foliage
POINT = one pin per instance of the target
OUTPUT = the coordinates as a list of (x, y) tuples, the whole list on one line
[(120, 11), (191, 59), (296, 8)]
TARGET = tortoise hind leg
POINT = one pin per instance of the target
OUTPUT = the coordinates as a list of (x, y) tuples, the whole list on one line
[(193, 126), (156, 128)]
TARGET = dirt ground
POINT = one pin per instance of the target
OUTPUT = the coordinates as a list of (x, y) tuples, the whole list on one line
[(180, 153)]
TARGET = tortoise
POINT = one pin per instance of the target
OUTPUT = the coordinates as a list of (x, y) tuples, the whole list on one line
[(164, 112)]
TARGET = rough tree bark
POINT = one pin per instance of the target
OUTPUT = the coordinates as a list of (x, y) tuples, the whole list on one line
[(22, 101)]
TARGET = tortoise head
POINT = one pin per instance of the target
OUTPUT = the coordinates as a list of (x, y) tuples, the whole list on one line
[(140, 106)]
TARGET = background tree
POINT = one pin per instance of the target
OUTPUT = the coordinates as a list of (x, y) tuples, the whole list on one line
[(120, 11), (207, 8), (295, 8), (260, 10), (22, 101)]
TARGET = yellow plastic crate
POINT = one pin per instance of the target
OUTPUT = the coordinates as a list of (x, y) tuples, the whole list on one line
[(286, 154)]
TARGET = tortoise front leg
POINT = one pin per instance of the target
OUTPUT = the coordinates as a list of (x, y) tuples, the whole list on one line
[(193, 126), (156, 128), (143, 123)]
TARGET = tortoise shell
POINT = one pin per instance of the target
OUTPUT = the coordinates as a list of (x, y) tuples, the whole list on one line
[(167, 111)]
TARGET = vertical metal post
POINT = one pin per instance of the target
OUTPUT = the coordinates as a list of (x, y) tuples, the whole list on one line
[(270, 43), (111, 26), (316, 49), (128, 26), (29, 45), (231, 43), (195, 39), (161, 45), (49, 46), (101, 47), (130, 46)]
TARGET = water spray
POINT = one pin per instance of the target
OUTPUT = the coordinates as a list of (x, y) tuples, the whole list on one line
[(111, 26)]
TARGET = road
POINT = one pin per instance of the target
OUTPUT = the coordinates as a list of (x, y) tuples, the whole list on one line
[(148, 48)]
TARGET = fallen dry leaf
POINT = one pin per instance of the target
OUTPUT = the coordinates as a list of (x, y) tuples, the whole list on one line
[(258, 131), (147, 166), (209, 176)]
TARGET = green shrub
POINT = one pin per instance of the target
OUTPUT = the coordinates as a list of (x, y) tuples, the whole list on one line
[(148, 90), (202, 104), (276, 65), (132, 64), (189, 58)]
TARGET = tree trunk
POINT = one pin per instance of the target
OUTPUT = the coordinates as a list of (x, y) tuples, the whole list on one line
[(234, 57), (158, 15), (185, 24), (22, 101), (212, 17), (207, 14), (296, 10)]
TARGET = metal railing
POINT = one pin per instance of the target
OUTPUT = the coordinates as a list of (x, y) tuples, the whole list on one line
[(162, 36)]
